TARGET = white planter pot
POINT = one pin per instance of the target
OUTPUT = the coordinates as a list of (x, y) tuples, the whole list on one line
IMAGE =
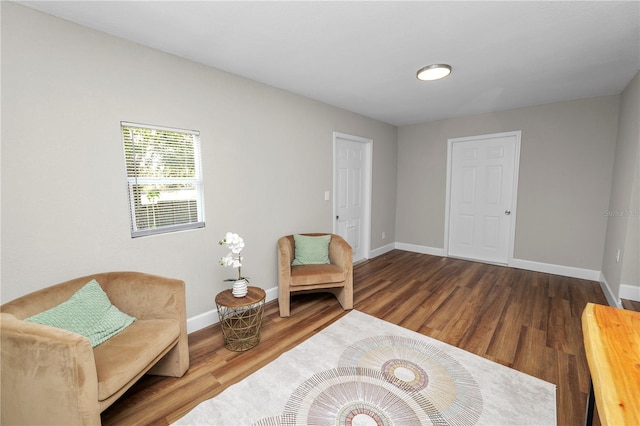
[(239, 288)]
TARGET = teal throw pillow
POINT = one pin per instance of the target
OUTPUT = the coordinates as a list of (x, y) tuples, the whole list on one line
[(88, 312), (311, 250)]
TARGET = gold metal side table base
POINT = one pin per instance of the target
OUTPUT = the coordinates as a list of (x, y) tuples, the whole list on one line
[(241, 318)]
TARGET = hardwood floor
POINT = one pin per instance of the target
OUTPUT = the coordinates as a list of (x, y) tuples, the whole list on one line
[(631, 305), (526, 320)]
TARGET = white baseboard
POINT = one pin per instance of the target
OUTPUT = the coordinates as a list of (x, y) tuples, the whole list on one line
[(629, 292), (421, 249), (611, 299), (381, 250), (211, 317), (548, 268), (203, 320)]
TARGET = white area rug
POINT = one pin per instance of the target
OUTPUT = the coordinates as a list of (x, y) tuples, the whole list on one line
[(365, 371)]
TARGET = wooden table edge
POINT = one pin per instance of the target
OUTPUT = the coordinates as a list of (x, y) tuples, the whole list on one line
[(606, 395), (253, 296)]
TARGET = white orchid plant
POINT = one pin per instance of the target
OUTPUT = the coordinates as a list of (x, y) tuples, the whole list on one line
[(235, 243)]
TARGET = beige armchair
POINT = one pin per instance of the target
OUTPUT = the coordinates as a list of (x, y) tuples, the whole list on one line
[(336, 277), (53, 376)]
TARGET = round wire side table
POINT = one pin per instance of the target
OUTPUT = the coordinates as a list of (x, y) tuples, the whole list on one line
[(241, 318)]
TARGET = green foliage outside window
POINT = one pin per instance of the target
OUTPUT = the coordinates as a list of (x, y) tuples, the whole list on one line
[(164, 178)]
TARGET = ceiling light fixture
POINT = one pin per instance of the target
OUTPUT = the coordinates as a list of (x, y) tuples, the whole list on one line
[(433, 72)]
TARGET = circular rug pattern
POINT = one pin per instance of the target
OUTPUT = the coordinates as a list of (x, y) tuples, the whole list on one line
[(452, 391), (383, 381), (352, 396)]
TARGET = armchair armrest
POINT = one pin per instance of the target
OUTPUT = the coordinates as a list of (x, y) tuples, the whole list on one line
[(48, 375), (285, 257), (340, 253)]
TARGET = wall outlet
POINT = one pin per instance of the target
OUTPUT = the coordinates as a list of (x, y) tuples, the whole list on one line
[(618, 256), (384, 235)]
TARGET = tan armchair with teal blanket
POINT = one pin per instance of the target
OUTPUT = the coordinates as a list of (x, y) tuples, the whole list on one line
[(54, 376)]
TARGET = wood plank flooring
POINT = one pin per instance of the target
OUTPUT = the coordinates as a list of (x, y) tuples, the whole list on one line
[(632, 305), (526, 320)]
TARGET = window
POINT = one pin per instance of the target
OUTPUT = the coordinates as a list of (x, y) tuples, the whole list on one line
[(164, 179)]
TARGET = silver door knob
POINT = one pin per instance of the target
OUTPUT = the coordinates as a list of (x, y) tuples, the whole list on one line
[(507, 212)]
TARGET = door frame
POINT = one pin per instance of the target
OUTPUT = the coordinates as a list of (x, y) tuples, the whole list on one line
[(366, 187), (514, 190)]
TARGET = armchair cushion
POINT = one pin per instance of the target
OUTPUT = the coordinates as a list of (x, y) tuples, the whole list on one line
[(132, 350), (315, 274), (311, 250), (87, 312)]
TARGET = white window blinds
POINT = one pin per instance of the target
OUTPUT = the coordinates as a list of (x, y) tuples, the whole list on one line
[(164, 178)]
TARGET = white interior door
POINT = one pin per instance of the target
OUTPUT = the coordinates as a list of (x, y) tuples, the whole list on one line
[(482, 190), (352, 188)]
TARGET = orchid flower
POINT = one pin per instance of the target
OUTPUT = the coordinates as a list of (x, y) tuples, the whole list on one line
[(235, 243)]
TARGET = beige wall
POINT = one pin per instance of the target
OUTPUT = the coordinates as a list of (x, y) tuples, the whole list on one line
[(622, 224), (566, 161), (267, 160)]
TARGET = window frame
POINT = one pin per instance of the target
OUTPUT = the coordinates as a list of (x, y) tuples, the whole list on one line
[(136, 181)]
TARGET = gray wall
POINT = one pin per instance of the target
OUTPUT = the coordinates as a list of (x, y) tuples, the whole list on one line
[(566, 160), (622, 225), (267, 157), (267, 160)]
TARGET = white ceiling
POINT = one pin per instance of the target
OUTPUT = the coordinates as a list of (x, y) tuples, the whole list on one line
[(363, 56)]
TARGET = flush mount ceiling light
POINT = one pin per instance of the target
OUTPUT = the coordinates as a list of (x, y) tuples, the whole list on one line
[(433, 72)]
